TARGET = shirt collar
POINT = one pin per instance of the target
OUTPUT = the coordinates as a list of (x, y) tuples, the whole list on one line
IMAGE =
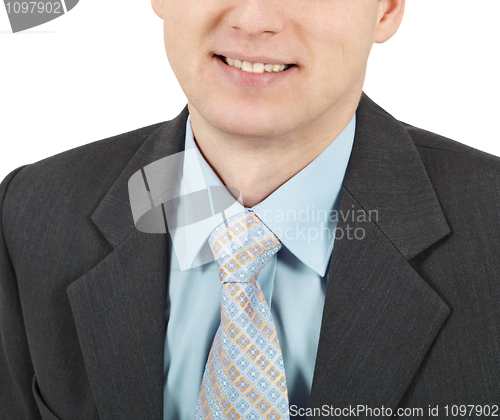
[(301, 213)]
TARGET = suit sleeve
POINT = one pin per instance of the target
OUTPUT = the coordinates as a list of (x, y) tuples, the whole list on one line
[(17, 401)]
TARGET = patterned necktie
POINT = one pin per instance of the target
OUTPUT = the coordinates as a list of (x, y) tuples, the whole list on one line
[(244, 376)]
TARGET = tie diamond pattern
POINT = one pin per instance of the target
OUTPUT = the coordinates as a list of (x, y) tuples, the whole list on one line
[(244, 376)]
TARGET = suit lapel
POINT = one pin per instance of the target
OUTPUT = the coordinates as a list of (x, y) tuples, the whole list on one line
[(119, 306), (380, 317)]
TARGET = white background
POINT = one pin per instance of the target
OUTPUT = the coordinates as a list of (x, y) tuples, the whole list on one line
[(101, 70)]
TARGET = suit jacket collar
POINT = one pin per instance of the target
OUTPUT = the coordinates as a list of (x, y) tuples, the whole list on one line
[(113, 216), (119, 307), (385, 173), (380, 317)]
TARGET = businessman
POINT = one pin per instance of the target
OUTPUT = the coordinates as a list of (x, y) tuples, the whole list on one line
[(356, 276)]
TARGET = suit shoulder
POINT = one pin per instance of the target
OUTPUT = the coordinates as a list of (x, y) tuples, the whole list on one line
[(116, 147), (449, 162), (79, 176), (100, 159), (424, 139), (466, 180)]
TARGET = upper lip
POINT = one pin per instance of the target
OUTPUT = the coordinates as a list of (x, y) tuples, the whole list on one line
[(253, 58)]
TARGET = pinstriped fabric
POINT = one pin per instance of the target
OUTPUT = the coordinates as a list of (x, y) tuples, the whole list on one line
[(244, 376)]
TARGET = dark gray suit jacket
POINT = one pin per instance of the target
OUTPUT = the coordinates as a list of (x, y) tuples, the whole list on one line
[(412, 313)]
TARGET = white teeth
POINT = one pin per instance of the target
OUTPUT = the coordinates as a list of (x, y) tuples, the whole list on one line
[(255, 67), (258, 68), (247, 66)]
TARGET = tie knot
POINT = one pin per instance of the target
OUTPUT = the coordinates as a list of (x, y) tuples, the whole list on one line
[(242, 246)]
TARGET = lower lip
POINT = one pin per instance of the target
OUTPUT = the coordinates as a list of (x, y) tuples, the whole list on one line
[(256, 80)]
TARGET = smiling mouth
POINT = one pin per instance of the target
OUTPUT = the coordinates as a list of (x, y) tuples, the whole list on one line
[(251, 67)]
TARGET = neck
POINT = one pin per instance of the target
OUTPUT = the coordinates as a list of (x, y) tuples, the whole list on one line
[(257, 166)]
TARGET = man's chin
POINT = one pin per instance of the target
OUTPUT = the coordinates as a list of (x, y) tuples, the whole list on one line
[(253, 127), (239, 122)]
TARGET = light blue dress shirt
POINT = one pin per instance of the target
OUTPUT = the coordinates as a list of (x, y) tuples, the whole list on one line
[(302, 214)]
